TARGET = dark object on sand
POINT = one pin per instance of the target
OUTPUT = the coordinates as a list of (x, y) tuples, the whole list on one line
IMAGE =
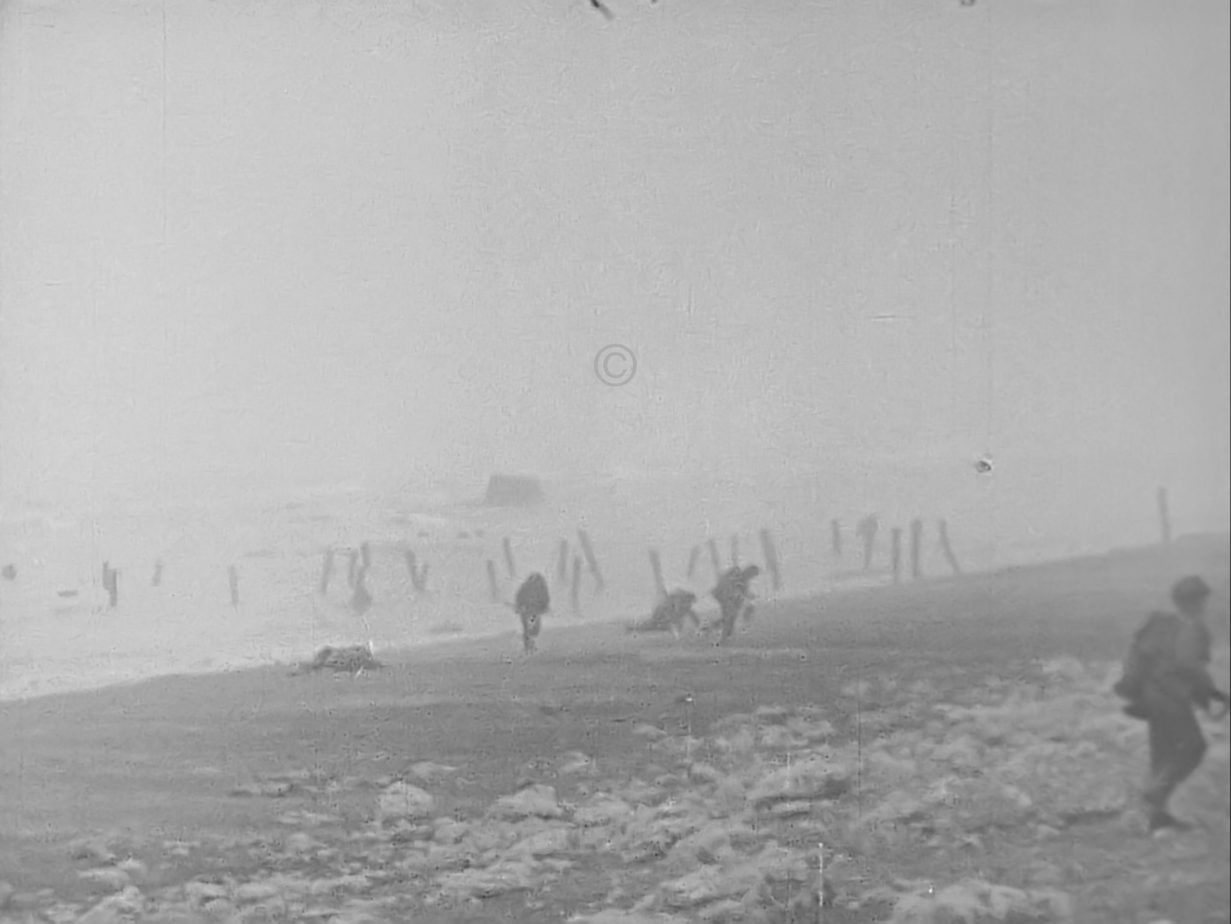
[(531, 602), (670, 614), (353, 659), (9, 573)]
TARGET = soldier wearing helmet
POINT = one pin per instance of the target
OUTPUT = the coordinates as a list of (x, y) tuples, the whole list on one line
[(1165, 676)]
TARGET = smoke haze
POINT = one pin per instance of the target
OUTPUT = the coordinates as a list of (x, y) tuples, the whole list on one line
[(285, 245)]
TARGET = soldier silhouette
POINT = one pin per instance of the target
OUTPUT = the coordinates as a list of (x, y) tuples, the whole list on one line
[(1165, 675)]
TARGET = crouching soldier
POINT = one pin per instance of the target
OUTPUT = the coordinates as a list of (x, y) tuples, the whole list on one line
[(734, 595), (1165, 676), (670, 614), (531, 603)]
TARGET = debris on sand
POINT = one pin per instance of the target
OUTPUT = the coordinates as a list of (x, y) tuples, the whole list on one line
[(353, 659)]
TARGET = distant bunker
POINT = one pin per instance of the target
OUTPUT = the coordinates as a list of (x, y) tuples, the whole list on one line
[(513, 491)]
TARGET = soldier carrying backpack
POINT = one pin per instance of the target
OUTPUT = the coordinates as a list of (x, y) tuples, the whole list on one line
[(1165, 675)]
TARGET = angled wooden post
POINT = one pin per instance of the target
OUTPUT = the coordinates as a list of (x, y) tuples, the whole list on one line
[(946, 547), (896, 553), (869, 526), (1164, 517), (656, 566), (493, 585), (575, 589), (591, 560), (770, 554), (717, 562), (916, 549), (326, 571), (693, 556), (509, 564)]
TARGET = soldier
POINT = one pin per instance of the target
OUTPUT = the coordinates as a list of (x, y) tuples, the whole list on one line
[(734, 596), (670, 614), (1165, 675), (531, 603)]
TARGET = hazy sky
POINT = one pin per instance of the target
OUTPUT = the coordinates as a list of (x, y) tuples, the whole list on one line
[(308, 242)]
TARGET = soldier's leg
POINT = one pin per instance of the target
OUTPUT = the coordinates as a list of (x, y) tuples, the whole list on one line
[(1189, 747), (1177, 748), (1158, 730)]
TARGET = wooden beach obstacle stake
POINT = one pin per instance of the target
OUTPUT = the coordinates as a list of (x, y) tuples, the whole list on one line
[(575, 589), (361, 599), (493, 585), (868, 527), (770, 554), (1164, 517), (111, 582), (509, 564), (418, 574), (591, 561), (326, 572), (835, 538), (896, 553), (946, 548), (352, 567), (233, 579), (156, 580), (693, 556), (717, 562), (916, 549), (656, 566)]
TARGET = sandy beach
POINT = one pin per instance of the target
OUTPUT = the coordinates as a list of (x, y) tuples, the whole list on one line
[(173, 776)]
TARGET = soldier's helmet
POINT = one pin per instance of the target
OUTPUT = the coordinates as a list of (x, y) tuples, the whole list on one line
[(1189, 590)]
